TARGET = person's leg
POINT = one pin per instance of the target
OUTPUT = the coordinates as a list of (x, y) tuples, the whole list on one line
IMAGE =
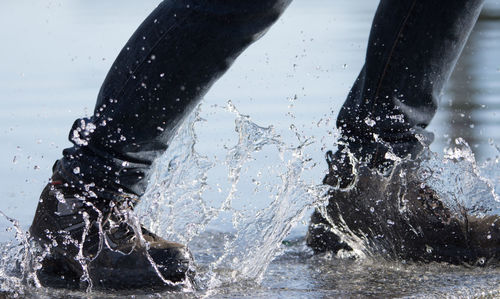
[(158, 78), (412, 50)]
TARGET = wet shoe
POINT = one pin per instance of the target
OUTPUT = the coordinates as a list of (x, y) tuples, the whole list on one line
[(396, 215), (93, 243), (485, 236)]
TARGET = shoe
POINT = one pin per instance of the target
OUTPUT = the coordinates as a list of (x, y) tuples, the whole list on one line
[(485, 236), (394, 214), (94, 243)]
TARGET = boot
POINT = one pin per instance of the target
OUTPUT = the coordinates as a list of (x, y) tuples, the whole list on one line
[(92, 242), (392, 212)]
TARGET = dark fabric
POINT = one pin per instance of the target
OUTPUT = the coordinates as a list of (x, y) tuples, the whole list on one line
[(158, 78), (185, 45), (412, 50)]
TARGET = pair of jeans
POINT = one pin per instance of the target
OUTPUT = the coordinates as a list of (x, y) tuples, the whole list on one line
[(185, 45)]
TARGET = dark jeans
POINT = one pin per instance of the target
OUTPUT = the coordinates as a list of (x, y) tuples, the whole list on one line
[(185, 45)]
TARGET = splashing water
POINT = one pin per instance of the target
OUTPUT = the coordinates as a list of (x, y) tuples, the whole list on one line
[(397, 213), (234, 213), (178, 207), (462, 183), (18, 261)]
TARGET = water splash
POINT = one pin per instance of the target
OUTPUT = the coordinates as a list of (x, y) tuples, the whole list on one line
[(180, 205), (173, 203), (19, 259), (461, 182), (404, 213), (254, 195)]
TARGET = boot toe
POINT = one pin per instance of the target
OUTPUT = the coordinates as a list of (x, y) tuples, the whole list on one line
[(158, 269), (174, 263)]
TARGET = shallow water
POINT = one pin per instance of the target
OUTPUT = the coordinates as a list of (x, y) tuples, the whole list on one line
[(246, 185)]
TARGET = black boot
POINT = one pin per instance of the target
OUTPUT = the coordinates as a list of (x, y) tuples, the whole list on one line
[(389, 210), (92, 242)]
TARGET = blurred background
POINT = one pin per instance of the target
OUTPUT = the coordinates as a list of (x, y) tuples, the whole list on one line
[(56, 54)]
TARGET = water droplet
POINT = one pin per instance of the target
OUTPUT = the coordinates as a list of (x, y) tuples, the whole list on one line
[(398, 117), (60, 197), (482, 261), (370, 122), (76, 170), (392, 156)]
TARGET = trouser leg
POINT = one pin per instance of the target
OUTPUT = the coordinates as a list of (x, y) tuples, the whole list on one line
[(412, 50), (158, 78)]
